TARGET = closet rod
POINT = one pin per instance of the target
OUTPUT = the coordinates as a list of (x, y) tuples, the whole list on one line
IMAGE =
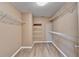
[(77, 46), (8, 19), (64, 36)]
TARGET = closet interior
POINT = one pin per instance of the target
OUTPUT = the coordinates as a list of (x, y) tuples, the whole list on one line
[(25, 35)]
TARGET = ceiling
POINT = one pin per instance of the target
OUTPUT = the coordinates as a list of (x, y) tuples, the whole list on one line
[(48, 10)]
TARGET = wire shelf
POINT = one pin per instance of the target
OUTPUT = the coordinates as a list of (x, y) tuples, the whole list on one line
[(9, 19)]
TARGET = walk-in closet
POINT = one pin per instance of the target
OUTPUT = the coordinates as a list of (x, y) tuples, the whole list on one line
[(32, 29)]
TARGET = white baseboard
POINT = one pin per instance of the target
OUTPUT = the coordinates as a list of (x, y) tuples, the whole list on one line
[(22, 47), (42, 42), (16, 52), (26, 47), (59, 50), (38, 42)]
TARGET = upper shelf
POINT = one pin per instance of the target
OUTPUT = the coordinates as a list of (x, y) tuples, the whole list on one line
[(67, 8), (9, 19)]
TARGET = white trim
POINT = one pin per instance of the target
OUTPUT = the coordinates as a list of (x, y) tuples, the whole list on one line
[(59, 50), (26, 47), (38, 42), (42, 42), (76, 46), (22, 47), (14, 54)]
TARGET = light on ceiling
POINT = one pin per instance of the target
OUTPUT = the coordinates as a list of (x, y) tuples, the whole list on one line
[(41, 3)]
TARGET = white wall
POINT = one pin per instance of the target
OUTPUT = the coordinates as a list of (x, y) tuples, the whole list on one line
[(10, 35), (27, 30), (46, 27), (78, 30), (66, 24)]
